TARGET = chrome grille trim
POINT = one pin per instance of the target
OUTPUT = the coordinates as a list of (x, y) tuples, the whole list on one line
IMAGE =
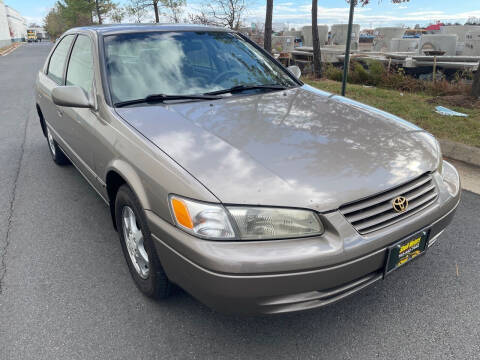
[(376, 212)]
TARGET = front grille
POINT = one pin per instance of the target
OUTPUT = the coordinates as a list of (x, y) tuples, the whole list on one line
[(376, 212)]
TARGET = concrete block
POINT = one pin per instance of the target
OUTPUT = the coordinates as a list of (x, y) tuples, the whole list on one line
[(439, 42), (383, 36), (339, 34), (472, 43), (404, 45), (322, 35)]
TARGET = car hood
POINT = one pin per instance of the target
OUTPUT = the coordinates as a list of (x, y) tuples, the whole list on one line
[(301, 147)]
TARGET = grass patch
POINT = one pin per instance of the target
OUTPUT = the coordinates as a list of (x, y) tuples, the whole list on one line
[(414, 107)]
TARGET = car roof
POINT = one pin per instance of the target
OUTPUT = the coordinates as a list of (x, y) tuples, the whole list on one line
[(127, 28)]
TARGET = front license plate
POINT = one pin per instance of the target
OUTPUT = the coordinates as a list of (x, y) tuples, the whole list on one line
[(406, 250)]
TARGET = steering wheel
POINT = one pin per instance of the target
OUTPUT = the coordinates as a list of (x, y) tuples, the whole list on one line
[(222, 76)]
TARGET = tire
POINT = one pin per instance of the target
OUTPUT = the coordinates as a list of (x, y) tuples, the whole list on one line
[(58, 156), (149, 275)]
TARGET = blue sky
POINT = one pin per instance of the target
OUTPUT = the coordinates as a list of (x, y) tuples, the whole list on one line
[(297, 12)]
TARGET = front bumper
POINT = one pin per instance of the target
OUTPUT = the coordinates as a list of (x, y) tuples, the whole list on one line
[(289, 275)]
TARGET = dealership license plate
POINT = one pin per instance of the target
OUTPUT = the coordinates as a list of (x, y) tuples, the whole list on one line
[(406, 250)]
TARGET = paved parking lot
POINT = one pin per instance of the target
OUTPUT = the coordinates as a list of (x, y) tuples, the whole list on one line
[(65, 291)]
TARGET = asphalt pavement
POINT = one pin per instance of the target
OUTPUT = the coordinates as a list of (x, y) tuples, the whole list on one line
[(65, 290)]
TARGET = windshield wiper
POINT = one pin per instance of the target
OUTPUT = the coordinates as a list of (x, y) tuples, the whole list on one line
[(155, 98), (240, 88)]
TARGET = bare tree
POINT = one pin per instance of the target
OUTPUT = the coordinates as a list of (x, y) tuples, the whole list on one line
[(317, 55), (97, 10), (154, 4), (103, 8), (146, 4), (227, 13), (473, 21), (267, 39), (200, 18), (136, 10), (174, 9), (117, 14), (346, 61)]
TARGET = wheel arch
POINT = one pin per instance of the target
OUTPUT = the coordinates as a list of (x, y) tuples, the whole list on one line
[(119, 173), (42, 120)]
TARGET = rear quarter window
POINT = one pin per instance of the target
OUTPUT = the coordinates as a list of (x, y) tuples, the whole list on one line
[(56, 66)]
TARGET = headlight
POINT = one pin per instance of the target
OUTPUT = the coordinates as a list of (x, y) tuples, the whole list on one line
[(450, 178), (216, 222), (204, 220), (440, 158), (274, 223)]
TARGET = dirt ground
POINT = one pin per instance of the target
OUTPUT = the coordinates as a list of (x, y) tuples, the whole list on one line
[(465, 101)]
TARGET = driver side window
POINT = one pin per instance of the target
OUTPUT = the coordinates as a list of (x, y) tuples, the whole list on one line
[(80, 66), (58, 59)]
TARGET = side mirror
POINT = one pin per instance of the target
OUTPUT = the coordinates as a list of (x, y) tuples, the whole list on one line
[(71, 96), (295, 70)]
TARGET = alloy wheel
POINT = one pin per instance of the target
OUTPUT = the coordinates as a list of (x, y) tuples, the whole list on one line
[(134, 240), (51, 142)]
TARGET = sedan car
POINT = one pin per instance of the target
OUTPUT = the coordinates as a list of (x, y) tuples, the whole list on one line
[(228, 176)]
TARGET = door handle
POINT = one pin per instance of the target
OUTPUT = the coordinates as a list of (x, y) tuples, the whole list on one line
[(59, 112)]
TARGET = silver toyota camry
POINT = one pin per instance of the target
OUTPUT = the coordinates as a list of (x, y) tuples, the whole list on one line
[(228, 176)]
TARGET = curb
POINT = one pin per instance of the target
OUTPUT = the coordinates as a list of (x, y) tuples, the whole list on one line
[(11, 49), (461, 152)]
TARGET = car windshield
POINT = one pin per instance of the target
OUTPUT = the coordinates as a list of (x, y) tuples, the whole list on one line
[(185, 63)]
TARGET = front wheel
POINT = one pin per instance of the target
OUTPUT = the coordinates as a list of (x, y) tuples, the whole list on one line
[(57, 154), (138, 247)]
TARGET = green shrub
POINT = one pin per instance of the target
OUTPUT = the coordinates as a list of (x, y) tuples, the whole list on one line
[(359, 75), (374, 73), (397, 80), (369, 74), (333, 73), (377, 72)]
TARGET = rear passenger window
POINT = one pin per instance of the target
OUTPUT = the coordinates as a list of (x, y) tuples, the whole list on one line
[(80, 66), (58, 59)]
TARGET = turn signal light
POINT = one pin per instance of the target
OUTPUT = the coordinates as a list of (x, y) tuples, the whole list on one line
[(181, 213)]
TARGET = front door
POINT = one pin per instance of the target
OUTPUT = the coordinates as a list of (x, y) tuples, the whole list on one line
[(78, 124), (53, 78)]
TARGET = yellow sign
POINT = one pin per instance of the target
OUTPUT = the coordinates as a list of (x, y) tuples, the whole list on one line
[(409, 245), (409, 251)]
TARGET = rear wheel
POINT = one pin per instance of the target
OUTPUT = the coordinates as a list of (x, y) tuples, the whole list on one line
[(138, 247), (57, 154)]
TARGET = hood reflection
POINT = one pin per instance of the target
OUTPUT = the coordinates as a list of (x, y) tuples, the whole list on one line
[(288, 148)]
